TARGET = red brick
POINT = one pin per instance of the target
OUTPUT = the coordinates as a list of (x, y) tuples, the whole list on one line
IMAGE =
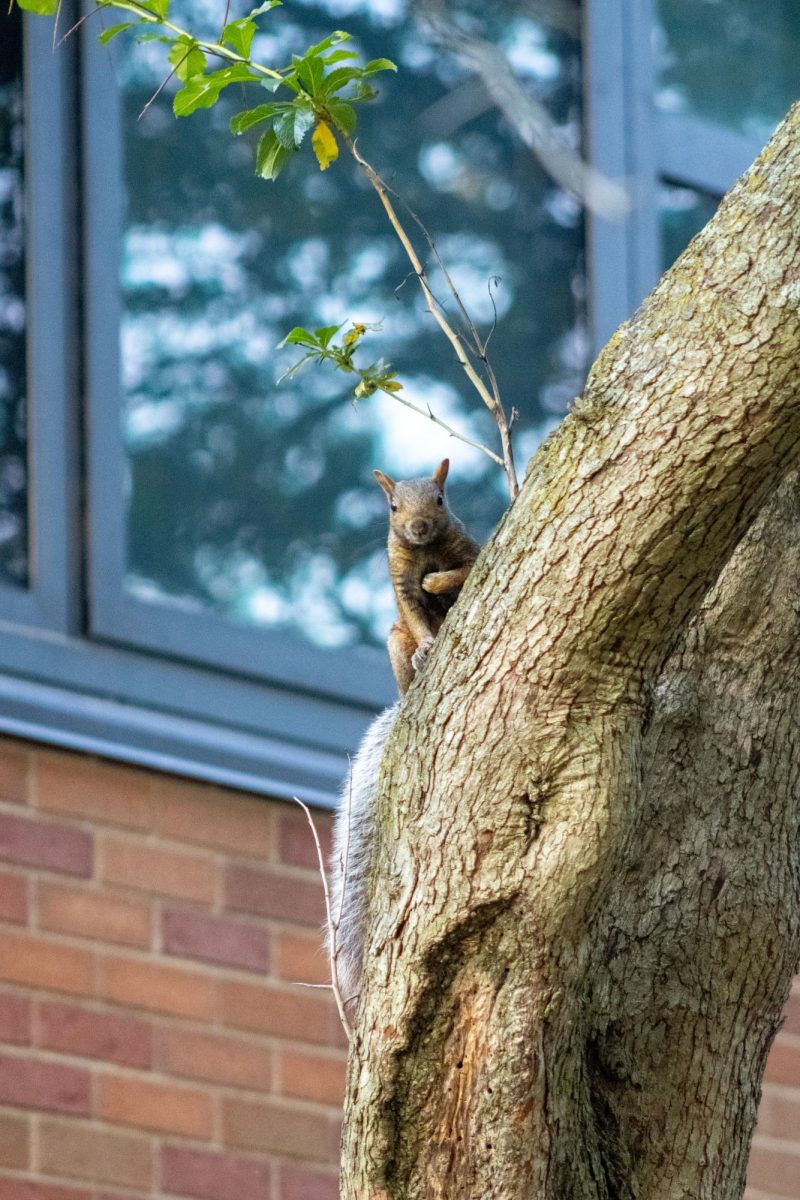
[(779, 1113), (792, 1014), (46, 845), (216, 940), (268, 1127), (313, 1076), (773, 1170), (145, 1104), (78, 1150), (186, 1172), (301, 957), (277, 894), (299, 1183), (134, 863), (198, 813), (28, 1189), (89, 1033), (13, 898), (783, 1064), (290, 1013), (217, 1058), (15, 1019), (138, 984), (94, 913), (15, 1141), (296, 845), (14, 764), (41, 962), (86, 787), (28, 1083)]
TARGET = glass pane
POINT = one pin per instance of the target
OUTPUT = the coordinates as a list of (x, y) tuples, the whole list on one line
[(13, 404), (683, 213), (256, 499), (735, 62)]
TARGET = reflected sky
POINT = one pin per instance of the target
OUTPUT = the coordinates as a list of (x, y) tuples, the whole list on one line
[(734, 62), (13, 401), (256, 500)]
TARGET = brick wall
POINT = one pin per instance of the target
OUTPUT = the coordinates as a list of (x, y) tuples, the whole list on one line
[(151, 1038)]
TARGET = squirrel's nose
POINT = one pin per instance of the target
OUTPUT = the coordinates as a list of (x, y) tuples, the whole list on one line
[(419, 527)]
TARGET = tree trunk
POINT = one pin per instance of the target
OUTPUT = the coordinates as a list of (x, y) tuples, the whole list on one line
[(585, 904)]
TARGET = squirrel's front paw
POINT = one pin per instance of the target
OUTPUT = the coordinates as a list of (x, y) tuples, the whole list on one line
[(420, 655)]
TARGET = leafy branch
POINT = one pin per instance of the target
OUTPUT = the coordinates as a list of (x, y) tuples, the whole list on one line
[(324, 86), (320, 347)]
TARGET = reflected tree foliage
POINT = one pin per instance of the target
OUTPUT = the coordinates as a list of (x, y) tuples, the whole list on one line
[(257, 500), (735, 62), (13, 389)]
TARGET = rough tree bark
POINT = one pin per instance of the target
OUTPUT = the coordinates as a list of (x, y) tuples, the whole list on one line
[(585, 908)]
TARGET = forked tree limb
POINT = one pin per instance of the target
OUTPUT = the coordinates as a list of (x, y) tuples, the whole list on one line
[(521, 780)]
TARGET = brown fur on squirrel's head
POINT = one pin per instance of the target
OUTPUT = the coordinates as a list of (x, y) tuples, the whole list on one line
[(418, 512)]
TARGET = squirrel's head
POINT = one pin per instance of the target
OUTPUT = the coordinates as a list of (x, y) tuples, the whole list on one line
[(418, 512)]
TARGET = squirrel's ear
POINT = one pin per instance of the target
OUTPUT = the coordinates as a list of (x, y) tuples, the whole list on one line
[(384, 481), (440, 474)]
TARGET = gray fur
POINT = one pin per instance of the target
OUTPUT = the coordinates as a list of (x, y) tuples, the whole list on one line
[(353, 837)]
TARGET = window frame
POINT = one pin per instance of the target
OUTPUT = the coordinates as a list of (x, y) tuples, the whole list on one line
[(89, 675), (624, 257), (50, 599)]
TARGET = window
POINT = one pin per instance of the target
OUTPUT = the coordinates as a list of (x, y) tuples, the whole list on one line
[(192, 570)]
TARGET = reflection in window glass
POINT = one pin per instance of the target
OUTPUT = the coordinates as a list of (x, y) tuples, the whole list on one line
[(13, 467), (735, 62), (683, 212), (257, 500)]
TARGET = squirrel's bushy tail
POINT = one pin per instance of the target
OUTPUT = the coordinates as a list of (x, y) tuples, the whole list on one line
[(353, 838)]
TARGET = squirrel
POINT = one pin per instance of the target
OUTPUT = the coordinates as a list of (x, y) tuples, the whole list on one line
[(430, 556)]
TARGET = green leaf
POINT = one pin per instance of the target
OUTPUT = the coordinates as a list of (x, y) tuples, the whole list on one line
[(339, 78), (271, 156), (239, 35), (293, 125), (197, 93), (298, 337), (325, 334), (338, 56), (254, 116), (187, 58), (45, 8), (159, 7), (262, 8), (309, 71), (334, 39), (343, 115), (379, 64), (107, 34)]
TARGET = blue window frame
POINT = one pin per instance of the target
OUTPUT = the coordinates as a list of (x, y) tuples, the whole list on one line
[(83, 663)]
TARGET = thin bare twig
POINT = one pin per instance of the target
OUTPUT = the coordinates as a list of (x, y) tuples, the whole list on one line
[(489, 398), (345, 861), (430, 415), (337, 995), (164, 83)]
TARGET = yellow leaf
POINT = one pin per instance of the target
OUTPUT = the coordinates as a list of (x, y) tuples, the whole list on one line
[(355, 333), (391, 385), (324, 144)]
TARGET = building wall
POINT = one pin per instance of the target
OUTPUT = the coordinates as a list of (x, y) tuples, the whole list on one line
[(153, 1040)]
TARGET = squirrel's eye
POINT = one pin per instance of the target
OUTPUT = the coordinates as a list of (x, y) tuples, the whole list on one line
[(392, 506), (440, 500)]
